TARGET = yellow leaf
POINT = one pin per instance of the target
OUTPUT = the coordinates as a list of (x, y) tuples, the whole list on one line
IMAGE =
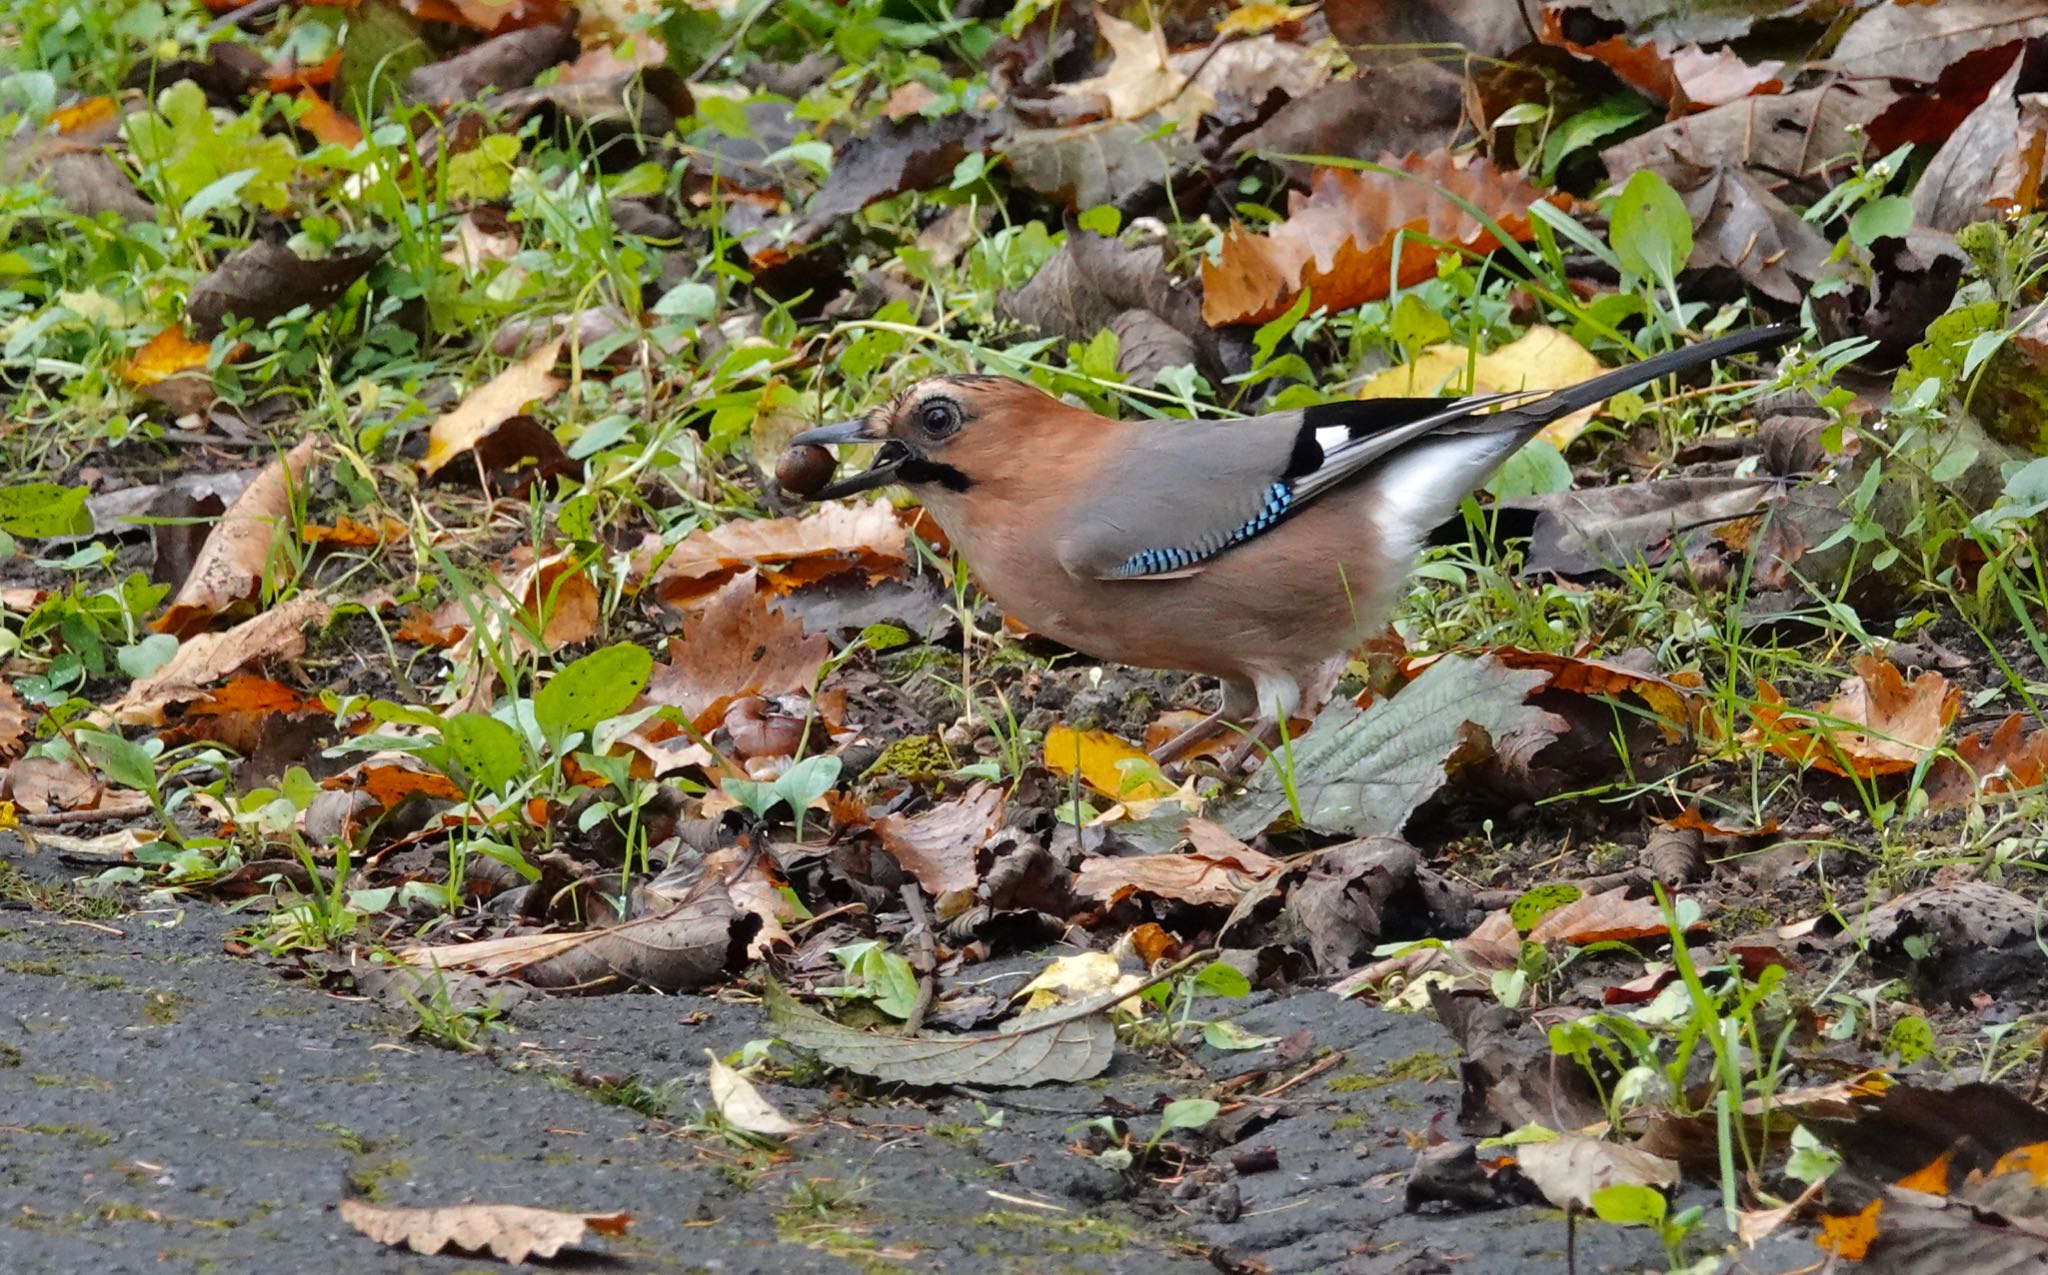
[(1259, 17), (498, 400), (1070, 980), (1542, 358), (168, 353), (1105, 763)]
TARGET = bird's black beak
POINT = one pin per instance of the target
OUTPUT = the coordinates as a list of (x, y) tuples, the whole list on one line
[(879, 474)]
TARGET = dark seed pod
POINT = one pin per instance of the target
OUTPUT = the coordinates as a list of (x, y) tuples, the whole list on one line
[(805, 469)]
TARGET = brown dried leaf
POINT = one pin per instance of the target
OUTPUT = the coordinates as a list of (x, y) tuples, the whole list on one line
[(681, 949), (509, 1232), (1802, 134), (1570, 1169), (1141, 78), (1685, 79), (1920, 41), (735, 645), (229, 570), (470, 428), (2009, 760), (1358, 235), (939, 847), (789, 552), (1610, 916), (1216, 872), (45, 785), (14, 722), (267, 279), (205, 658), (1877, 723)]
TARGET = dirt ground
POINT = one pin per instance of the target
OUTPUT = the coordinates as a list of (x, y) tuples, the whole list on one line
[(166, 1106)]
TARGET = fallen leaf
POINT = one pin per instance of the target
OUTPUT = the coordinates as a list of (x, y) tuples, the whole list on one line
[(205, 658), (1216, 873), (893, 157), (682, 948), (1494, 944), (1105, 763), (1802, 134), (939, 847), (742, 1106), (472, 427), (2008, 760), (1141, 78), (1362, 772), (1919, 41), (1065, 1045), (230, 568), (266, 279), (735, 645), (1542, 358), (1568, 1169), (833, 540), (318, 117), (392, 778), (1074, 980), (1357, 236), (508, 1232), (167, 354), (1581, 532), (1876, 724), (46, 785), (1608, 917), (15, 721)]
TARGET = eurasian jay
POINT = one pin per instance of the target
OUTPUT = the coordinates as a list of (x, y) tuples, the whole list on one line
[(1260, 551)]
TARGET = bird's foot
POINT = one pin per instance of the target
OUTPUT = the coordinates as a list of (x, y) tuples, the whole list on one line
[(1181, 745)]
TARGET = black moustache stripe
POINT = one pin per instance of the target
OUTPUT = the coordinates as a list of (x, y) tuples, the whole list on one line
[(919, 470)]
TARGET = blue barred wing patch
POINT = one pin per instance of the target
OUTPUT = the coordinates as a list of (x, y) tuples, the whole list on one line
[(1152, 562)]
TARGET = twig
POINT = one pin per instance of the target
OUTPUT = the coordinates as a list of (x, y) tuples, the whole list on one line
[(924, 956), (1315, 1069)]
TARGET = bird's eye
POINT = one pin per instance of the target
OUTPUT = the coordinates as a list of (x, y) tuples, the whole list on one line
[(939, 417)]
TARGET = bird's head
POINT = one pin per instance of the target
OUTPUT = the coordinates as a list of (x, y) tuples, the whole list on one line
[(946, 434)]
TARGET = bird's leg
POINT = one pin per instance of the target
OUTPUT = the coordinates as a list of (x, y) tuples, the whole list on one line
[(1180, 745), (1239, 700), (1278, 697)]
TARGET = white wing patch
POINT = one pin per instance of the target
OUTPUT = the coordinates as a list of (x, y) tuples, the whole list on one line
[(1331, 437)]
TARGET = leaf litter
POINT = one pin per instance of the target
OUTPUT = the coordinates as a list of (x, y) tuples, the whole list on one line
[(1436, 842)]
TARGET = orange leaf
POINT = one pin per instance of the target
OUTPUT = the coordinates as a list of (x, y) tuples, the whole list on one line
[(1602, 918), (283, 77), (168, 354), (325, 123), (1931, 1177), (84, 115), (1359, 235), (2010, 760), (1850, 1237), (1877, 724)]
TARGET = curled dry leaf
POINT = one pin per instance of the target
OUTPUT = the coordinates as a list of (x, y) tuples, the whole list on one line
[(229, 570), (267, 279), (833, 540), (1685, 79), (1877, 723), (508, 1232), (1358, 235), (1589, 675), (472, 427), (45, 785), (742, 1105), (14, 722), (1493, 944), (683, 948), (939, 847), (206, 658), (1542, 358)]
